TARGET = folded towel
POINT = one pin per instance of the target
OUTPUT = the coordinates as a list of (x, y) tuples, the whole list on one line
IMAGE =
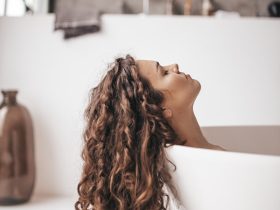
[(79, 17)]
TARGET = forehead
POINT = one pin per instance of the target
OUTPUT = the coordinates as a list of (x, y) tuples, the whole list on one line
[(147, 68)]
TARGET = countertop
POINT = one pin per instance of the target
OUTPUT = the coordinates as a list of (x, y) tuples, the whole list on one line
[(45, 202)]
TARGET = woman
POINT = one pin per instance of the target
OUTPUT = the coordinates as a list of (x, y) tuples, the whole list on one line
[(138, 109)]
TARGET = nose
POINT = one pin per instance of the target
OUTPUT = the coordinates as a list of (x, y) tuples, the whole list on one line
[(175, 68)]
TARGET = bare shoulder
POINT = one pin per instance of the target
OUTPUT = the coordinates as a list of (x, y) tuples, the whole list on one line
[(217, 147), (209, 146)]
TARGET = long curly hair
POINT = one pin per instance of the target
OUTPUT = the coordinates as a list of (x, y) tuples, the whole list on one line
[(124, 162)]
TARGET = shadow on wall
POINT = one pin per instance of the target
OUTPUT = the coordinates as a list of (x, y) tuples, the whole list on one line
[(248, 139)]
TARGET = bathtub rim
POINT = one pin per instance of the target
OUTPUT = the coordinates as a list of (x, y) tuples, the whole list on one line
[(230, 153)]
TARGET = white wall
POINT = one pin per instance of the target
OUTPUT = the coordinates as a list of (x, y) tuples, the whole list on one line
[(237, 62)]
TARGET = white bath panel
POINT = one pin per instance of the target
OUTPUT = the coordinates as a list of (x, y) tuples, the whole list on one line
[(244, 178)]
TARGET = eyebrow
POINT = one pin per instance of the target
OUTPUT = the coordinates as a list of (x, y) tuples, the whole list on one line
[(157, 64)]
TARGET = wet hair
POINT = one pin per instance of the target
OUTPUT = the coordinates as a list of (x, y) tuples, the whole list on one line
[(124, 161)]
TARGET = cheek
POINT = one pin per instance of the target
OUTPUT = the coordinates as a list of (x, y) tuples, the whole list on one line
[(182, 86), (186, 94), (183, 92)]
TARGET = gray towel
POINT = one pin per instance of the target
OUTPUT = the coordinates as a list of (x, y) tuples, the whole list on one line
[(79, 17)]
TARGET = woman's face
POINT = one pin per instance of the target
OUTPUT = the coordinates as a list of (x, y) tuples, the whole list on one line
[(179, 89)]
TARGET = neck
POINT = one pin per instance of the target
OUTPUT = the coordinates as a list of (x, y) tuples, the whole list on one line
[(188, 129)]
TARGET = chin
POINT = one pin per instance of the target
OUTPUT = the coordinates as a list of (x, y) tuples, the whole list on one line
[(197, 85)]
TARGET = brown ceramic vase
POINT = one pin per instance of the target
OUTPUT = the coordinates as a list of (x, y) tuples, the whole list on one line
[(17, 164)]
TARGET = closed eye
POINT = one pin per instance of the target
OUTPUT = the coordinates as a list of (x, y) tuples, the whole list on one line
[(164, 71)]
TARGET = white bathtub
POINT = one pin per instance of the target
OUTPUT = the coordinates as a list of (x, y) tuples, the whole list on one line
[(245, 178)]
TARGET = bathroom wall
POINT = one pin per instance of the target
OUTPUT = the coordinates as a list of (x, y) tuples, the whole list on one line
[(237, 62)]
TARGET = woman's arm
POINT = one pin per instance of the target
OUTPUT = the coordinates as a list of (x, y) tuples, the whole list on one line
[(217, 147), (209, 146)]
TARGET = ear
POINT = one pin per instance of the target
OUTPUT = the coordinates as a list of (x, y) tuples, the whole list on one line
[(167, 113)]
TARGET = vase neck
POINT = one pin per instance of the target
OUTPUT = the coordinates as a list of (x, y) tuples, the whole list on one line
[(9, 97)]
